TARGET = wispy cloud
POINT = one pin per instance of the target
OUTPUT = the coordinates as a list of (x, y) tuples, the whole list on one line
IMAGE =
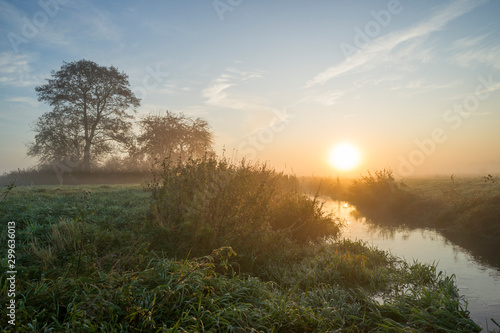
[(467, 42), (172, 88), (485, 91), (218, 94), (243, 75), (378, 80), (15, 70), (485, 55), (382, 46), (475, 49), (327, 98), (11, 63), (420, 87), (28, 100), (224, 92), (217, 91)]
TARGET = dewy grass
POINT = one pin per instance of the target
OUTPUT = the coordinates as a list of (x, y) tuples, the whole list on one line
[(190, 296), (131, 278)]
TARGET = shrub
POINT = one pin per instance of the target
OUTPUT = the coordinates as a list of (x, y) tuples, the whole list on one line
[(381, 198), (209, 203)]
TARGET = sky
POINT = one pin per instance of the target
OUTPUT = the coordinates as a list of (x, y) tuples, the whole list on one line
[(414, 85)]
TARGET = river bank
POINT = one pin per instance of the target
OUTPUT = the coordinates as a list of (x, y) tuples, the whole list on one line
[(476, 268)]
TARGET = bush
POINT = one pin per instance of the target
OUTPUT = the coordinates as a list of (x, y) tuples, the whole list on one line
[(374, 187), (381, 198), (209, 203)]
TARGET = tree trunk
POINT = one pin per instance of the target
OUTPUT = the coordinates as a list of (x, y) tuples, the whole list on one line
[(86, 149), (86, 157)]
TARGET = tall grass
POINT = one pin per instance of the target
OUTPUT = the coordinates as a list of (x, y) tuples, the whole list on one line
[(333, 187), (381, 198), (208, 203), (471, 205)]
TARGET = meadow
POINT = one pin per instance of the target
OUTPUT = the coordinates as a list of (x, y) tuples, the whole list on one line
[(208, 246)]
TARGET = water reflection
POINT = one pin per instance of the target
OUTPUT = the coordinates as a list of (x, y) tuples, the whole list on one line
[(475, 262), (483, 250)]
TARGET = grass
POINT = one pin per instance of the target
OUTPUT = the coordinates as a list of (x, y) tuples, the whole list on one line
[(453, 204), (466, 203), (208, 246)]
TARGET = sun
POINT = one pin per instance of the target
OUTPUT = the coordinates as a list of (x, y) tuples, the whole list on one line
[(345, 156)]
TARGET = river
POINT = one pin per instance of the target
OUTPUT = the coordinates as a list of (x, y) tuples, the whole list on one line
[(475, 263)]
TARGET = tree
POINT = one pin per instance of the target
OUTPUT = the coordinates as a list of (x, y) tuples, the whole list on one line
[(89, 116), (173, 135)]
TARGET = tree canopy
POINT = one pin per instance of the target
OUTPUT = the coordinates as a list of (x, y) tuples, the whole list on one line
[(173, 135), (90, 113)]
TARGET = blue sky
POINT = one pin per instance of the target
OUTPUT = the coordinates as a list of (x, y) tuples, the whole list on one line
[(415, 85)]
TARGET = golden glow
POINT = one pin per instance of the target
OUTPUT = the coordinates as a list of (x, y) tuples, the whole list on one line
[(345, 156)]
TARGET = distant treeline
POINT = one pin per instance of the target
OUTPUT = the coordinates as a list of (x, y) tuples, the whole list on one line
[(52, 176)]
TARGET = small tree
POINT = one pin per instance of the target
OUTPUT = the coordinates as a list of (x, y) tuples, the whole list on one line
[(89, 116), (173, 135)]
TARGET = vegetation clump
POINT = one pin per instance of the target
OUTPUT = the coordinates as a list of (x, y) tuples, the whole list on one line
[(207, 203), (381, 197)]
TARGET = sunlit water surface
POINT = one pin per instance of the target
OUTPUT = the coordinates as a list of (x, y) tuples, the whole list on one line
[(477, 269)]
